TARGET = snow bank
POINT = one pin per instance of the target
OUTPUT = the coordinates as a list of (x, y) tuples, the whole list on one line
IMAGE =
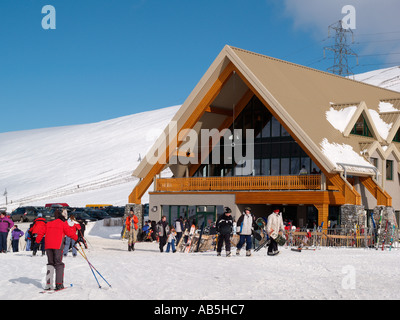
[(98, 229)]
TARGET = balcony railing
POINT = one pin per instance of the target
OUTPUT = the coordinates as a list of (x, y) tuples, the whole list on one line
[(251, 183)]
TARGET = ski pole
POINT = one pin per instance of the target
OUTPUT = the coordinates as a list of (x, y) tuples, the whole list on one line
[(89, 266)]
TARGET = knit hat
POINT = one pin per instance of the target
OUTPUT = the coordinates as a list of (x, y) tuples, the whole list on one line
[(227, 210)]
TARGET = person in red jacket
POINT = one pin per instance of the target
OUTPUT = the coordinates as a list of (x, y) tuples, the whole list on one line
[(55, 232), (38, 224), (131, 225)]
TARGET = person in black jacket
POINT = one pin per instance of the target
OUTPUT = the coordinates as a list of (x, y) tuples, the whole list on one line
[(224, 228), (163, 232)]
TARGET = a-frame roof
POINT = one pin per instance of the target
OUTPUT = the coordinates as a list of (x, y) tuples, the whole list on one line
[(298, 96)]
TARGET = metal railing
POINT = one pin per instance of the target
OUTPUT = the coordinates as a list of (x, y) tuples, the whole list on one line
[(344, 237)]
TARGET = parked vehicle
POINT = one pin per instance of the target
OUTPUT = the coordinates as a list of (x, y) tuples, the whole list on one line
[(115, 212), (56, 205), (80, 214), (97, 214), (25, 214)]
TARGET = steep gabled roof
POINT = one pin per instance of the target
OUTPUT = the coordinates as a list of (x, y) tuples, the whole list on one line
[(297, 96)]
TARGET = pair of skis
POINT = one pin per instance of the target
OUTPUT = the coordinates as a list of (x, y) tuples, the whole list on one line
[(51, 291)]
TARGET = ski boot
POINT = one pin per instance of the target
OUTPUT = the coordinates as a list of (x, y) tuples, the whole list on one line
[(218, 254), (49, 278), (248, 253), (59, 286)]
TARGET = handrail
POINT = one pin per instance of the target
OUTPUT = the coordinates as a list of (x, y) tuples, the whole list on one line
[(244, 183)]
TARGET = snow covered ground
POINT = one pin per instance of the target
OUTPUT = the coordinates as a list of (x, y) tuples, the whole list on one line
[(148, 274)]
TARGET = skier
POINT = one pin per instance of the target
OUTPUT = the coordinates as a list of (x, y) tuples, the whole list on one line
[(38, 224), (274, 225), (224, 228), (246, 224), (55, 231), (5, 225), (15, 235), (163, 231), (131, 225)]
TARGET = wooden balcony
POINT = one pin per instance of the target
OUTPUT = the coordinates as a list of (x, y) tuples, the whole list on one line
[(251, 183)]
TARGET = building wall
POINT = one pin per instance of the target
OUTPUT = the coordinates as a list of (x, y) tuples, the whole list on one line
[(157, 200)]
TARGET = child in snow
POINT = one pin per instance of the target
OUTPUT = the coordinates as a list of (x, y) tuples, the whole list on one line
[(171, 241), (15, 235)]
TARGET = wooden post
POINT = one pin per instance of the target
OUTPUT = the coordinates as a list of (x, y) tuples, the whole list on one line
[(323, 213)]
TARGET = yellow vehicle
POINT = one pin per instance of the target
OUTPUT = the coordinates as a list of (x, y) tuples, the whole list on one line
[(98, 206)]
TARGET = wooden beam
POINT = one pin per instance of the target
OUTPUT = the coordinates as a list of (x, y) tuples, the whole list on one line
[(144, 184), (382, 197), (349, 192), (217, 110), (323, 213), (290, 197)]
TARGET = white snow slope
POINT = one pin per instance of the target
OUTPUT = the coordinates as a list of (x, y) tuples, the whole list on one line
[(81, 164), (148, 274)]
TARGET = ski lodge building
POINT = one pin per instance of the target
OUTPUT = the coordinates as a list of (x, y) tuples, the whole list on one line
[(319, 142)]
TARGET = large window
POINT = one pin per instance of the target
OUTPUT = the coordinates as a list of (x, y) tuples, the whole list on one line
[(275, 151)]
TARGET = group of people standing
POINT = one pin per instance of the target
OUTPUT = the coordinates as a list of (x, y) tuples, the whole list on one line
[(246, 225), (54, 238)]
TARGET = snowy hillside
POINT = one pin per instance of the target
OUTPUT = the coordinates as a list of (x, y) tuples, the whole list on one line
[(80, 164), (388, 78), (93, 163)]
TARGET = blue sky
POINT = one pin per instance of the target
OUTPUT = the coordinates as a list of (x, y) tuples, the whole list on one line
[(107, 59)]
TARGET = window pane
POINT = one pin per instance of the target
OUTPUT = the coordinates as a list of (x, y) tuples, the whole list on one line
[(389, 170), (276, 128), (294, 165), (275, 167), (265, 169), (285, 168)]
